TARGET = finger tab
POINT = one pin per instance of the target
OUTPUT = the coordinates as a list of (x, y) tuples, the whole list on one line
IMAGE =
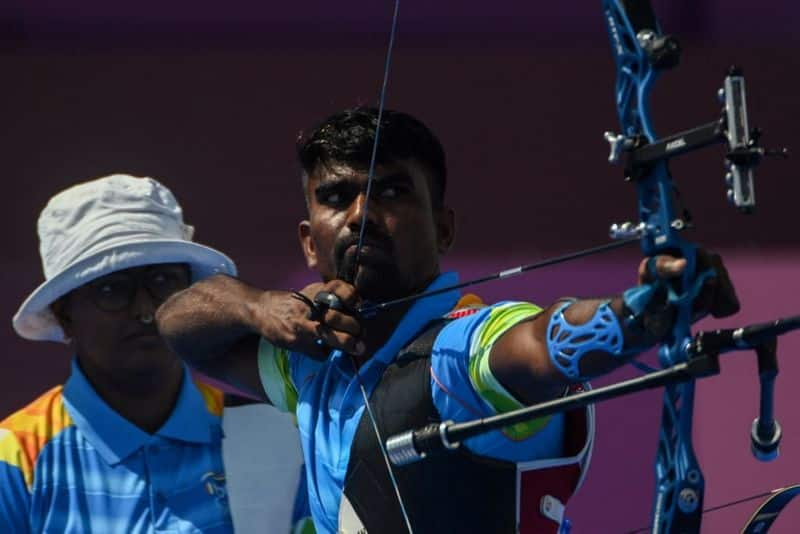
[(327, 300)]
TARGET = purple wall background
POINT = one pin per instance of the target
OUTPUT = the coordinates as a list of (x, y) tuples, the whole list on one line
[(210, 101)]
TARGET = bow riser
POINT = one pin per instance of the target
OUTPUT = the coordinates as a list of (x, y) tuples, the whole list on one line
[(634, 33)]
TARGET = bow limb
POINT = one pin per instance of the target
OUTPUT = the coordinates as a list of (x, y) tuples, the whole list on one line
[(769, 510)]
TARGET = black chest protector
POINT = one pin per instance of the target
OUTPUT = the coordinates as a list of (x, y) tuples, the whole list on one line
[(457, 492)]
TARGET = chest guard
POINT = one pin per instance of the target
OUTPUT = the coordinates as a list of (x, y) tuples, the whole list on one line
[(456, 492), (459, 492)]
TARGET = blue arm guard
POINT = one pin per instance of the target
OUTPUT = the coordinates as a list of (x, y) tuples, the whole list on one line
[(568, 343)]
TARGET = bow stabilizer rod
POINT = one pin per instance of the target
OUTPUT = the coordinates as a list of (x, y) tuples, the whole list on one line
[(702, 360)]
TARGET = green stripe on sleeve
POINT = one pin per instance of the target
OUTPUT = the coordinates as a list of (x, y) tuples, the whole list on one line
[(273, 369), (486, 385), (304, 526)]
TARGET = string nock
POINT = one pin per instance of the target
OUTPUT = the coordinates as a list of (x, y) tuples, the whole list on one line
[(323, 301), (617, 143), (627, 230)]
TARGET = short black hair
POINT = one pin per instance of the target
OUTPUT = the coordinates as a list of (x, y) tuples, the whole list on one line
[(347, 137)]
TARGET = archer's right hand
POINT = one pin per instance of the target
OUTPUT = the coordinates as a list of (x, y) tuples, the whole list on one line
[(286, 321)]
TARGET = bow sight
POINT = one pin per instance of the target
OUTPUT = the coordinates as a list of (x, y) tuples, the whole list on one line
[(642, 152), (741, 158)]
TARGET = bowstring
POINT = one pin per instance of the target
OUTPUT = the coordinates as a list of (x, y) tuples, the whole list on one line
[(374, 156), (357, 258)]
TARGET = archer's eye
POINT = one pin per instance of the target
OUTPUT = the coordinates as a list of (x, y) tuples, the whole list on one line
[(332, 199), (389, 192), (335, 197)]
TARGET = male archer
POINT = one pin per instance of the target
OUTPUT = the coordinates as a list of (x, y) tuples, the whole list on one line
[(353, 380)]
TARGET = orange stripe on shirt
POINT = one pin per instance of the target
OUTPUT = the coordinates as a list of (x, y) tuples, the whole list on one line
[(213, 397), (25, 433)]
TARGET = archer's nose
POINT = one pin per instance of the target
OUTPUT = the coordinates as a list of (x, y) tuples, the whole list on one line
[(355, 215)]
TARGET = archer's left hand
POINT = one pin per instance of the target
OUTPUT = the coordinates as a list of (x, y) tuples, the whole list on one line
[(717, 295)]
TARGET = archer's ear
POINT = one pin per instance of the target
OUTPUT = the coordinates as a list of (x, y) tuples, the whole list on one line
[(445, 228), (307, 244)]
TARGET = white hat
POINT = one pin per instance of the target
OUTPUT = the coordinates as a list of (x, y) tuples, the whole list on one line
[(106, 225)]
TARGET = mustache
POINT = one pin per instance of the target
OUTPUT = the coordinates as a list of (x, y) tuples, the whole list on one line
[(371, 239)]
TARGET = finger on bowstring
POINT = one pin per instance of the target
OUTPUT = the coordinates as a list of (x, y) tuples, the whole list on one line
[(346, 292), (343, 322), (340, 340), (326, 300), (314, 312)]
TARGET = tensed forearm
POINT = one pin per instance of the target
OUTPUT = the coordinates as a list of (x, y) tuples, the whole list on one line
[(206, 320), (571, 341)]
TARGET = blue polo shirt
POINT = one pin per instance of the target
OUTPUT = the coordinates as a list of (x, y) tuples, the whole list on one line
[(328, 402), (71, 464)]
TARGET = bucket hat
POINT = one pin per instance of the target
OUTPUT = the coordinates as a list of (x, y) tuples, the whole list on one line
[(109, 224)]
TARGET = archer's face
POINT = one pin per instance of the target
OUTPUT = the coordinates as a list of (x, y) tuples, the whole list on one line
[(403, 234)]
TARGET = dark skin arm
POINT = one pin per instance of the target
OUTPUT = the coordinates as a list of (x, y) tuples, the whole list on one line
[(216, 323), (520, 359), (215, 326)]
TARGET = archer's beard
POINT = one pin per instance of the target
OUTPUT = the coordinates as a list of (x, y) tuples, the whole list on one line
[(374, 281)]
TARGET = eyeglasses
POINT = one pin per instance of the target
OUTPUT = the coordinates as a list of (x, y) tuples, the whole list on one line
[(116, 291)]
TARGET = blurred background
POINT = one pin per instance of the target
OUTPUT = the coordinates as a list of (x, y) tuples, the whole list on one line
[(209, 98)]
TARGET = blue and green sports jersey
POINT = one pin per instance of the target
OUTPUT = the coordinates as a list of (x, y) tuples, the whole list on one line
[(326, 398)]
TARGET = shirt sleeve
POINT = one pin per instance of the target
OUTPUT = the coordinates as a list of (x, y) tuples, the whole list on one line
[(464, 388), (15, 500), (276, 377)]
